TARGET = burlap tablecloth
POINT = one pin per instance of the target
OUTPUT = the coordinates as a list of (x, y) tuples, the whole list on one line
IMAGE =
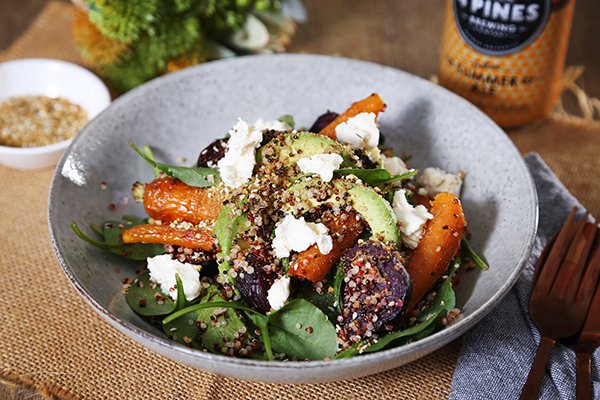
[(54, 346)]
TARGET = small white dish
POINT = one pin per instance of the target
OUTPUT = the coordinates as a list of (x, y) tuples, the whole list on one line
[(52, 78)]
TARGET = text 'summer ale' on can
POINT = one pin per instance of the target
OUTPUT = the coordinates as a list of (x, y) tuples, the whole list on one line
[(506, 56)]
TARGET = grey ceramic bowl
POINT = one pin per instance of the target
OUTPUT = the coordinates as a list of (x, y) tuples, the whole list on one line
[(181, 113)]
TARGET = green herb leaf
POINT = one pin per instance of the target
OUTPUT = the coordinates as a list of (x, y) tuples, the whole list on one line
[(468, 252), (377, 176), (324, 301), (261, 321), (111, 233), (181, 300), (288, 119), (183, 329), (302, 330), (193, 176), (210, 304), (142, 298), (99, 231), (212, 337), (148, 151)]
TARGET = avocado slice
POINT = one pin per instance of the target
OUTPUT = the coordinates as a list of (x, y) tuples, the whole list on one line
[(376, 211), (290, 147)]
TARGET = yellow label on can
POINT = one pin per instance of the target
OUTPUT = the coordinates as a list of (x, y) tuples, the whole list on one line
[(507, 57)]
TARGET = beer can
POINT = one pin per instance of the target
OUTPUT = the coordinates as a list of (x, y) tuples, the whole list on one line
[(506, 56)]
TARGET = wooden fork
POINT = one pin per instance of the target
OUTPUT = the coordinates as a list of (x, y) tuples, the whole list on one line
[(560, 297), (589, 338)]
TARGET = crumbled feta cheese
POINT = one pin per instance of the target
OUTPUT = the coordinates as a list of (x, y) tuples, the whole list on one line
[(411, 220), (393, 165), (436, 181), (375, 155), (237, 165), (276, 125), (163, 269), (321, 164), (360, 131), (279, 293), (298, 235)]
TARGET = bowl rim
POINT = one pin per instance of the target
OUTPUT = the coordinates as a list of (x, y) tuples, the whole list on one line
[(420, 347), (42, 62)]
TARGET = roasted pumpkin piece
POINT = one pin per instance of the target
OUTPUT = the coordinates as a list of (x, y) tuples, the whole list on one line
[(168, 199), (371, 104), (439, 244), (345, 230)]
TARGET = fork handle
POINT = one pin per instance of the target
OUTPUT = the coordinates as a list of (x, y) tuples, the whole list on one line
[(536, 373), (584, 372)]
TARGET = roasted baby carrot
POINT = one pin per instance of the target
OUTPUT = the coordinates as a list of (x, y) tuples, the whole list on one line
[(164, 234), (167, 199), (314, 266), (439, 244), (371, 104)]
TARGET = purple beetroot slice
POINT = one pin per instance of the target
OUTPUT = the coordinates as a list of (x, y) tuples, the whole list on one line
[(210, 156), (376, 291)]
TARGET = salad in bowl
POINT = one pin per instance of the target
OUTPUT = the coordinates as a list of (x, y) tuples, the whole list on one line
[(295, 244)]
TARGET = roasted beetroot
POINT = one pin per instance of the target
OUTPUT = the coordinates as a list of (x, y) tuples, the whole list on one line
[(376, 291), (254, 286), (323, 121), (210, 156)]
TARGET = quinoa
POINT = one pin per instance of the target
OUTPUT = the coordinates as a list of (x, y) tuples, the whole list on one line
[(31, 121)]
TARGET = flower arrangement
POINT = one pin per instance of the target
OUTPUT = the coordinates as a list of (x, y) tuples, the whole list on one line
[(131, 41)]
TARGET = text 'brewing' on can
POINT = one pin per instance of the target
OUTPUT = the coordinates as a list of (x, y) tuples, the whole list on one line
[(506, 56)]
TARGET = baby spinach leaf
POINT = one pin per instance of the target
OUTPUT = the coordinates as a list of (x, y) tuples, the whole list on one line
[(111, 232), (184, 330), (142, 297), (135, 220), (193, 176), (259, 319), (468, 252), (324, 300), (288, 119), (181, 300), (302, 330), (148, 151), (98, 230), (377, 176)]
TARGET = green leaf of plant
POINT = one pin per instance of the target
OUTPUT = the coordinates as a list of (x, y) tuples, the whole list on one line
[(324, 300), (150, 154), (468, 252), (193, 176), (377, 176), (213, 336), (181, 300), (302, 330), (141, 297), (288, 119), (111, 232)]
